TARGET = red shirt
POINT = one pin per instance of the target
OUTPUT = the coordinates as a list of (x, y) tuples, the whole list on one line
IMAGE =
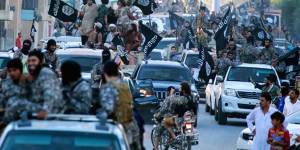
[(279, 135), (19, 42)]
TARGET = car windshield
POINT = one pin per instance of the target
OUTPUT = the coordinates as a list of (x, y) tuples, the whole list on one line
[(192, 60), (165, 44), (86, 62), (155, 56), (3, 62), (294, 118), (243, 74), (160, 73), (49, 140)]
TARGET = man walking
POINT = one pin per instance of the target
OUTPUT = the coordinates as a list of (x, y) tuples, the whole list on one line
[(76, 91), (116, 102), (19, 41), (292, 104), (261, 118)]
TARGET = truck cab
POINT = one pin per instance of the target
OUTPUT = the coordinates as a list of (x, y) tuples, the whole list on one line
[(235, 95)]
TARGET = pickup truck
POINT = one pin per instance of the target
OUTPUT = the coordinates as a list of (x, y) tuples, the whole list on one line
[(234, 95)]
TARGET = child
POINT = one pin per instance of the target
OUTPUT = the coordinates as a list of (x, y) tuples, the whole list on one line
[(278, 137)]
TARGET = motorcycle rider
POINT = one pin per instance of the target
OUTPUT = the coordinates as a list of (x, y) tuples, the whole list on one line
[(177, 106), (164, 111)]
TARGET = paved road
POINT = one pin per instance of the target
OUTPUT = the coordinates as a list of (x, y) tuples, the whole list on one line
[(212, 136)]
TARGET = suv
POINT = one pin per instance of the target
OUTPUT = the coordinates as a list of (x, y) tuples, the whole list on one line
[(152, 78), (74, 132), (236, 96)]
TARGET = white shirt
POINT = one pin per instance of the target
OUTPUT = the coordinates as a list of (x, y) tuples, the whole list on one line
[(262, 125), (289, 107)]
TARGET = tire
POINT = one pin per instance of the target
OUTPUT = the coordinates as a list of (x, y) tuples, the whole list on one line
[(216, 113), (222, 118), (207, 109), (153, 131), (163, 140), (211, 111)]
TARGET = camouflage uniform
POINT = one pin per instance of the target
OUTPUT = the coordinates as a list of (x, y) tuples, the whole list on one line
[(96, 75), (77, 97), (248, 54), (52, 60), (222, 66), (201, 22), (46, 92), (108, 100), (269, 54), (10, 92)]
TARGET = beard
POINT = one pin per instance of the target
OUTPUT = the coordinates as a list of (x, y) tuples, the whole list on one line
[(35, 71)]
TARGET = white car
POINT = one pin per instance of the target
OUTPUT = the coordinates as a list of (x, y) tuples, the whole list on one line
[(72, 132), (245, 139), (157, 54), (191, 59), (63, 42), (85, 57), (235, 96)]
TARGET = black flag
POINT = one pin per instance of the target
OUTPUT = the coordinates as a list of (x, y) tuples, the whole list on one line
[(206, 64), (222, 31), (147, 6), (176, 22), (32, 31), (62, 11), (151, 39), (260, 32)]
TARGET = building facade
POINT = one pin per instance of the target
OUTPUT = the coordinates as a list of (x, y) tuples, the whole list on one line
[(22, 13), (6, 15)]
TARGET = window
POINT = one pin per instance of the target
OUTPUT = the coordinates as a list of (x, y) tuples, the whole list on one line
[(30, 4), (2, 4)]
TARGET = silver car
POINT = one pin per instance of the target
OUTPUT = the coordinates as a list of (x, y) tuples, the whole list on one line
[(64, 132)]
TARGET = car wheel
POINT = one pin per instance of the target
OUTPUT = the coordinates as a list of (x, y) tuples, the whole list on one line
[(216, 112), (206, 107), (211, 111), (222, 118)]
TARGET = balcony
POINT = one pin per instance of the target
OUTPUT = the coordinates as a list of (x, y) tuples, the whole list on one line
[(6, 15)]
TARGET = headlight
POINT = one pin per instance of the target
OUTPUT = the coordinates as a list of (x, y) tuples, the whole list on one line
[(230, 92), (145, 92), (247, 136)]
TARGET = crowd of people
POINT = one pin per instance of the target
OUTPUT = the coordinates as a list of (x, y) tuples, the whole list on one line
[(268, 123), (102, 26), (38, 83)]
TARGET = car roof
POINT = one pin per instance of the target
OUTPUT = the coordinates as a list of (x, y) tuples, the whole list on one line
[(169, 39), (4, 54), (158, 50), (190, 52), (262, 66), (79, 52), (163, 63), (67, 123)]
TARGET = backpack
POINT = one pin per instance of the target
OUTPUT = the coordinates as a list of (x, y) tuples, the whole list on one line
[(123, 111)]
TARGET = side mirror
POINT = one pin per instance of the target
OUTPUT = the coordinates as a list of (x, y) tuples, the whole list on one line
[(219, 78), (210, 81), (285, 82)]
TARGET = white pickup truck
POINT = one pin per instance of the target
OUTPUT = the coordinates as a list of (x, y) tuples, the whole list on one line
[(234, 95)]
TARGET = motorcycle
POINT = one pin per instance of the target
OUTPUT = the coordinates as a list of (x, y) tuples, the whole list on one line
[(187, 136)]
